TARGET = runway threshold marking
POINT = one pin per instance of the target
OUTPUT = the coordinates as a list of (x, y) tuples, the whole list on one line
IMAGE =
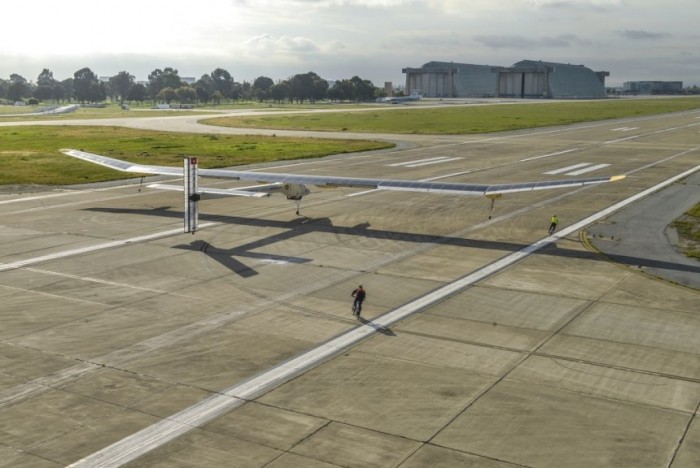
[(150, 438)]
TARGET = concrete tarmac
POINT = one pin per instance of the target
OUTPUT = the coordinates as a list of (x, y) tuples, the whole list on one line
[(125, 342)]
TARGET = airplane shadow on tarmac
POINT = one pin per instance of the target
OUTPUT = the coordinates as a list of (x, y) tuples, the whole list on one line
[(304, 225), (226, 257)]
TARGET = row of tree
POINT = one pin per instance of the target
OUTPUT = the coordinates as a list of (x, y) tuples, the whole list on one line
[(166, 86)]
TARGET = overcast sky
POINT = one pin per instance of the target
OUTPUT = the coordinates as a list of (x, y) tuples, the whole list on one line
[(374, 39)]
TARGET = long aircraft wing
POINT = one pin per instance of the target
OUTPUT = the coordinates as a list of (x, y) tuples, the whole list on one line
[(332, 181)]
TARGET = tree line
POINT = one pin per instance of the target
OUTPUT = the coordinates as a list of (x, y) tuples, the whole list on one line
[(166, 86)]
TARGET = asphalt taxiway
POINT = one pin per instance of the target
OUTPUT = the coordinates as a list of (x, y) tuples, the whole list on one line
[(483, 342), (645, 227)]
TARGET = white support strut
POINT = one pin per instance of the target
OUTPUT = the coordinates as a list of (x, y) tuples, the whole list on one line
[(191, 194)]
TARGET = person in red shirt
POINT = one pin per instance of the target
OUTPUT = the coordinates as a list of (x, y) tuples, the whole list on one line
[(359, 294)]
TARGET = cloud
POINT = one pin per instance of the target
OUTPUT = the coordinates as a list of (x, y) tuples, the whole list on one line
[(643, 35), (588, 4), (294, 4), (268, 44), (521, 42)]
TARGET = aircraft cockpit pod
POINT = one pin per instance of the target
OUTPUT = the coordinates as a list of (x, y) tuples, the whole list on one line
[(295, 191)]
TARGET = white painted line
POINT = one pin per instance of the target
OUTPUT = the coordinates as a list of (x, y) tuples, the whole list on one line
[(549, 155), (624, 129), (568, 168), (588, 169), (620, 140), (106, 282), (432, 162), (364, 192), (38, 197), (66, 193), (93, 248), (634, 137), (164, 431), (418, 161)]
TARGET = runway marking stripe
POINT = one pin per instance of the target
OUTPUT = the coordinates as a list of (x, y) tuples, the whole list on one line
[(619, 140), (436, 160), (587, 169), (364, 192), (624, 129), (432, 162), (37, 197), (568, 168), (164, 431), (549, 155), (106, 282), (63, 194)]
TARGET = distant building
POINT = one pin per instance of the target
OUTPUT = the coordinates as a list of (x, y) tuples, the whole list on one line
[(190, 80), (525, 79), (388, 88), (652, 87)]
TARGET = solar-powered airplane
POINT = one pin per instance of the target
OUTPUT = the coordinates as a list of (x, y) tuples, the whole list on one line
[(294, 186)]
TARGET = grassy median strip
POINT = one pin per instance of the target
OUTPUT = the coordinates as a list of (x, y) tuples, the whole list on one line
[(688, 227), (463, 119), (30, 155)]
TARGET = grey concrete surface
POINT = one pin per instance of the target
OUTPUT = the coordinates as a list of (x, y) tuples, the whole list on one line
[(644, 227), (562, 359)]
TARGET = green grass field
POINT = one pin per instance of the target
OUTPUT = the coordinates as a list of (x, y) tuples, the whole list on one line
[(30, 155), (464, 119)]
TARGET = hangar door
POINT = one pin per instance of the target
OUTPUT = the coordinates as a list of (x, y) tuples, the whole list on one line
[(522, 84), (431, 84)]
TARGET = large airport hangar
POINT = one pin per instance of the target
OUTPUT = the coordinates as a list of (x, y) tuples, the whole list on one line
[(525, 79)]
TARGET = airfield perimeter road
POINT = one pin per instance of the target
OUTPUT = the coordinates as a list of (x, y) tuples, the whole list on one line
[(124, 341)]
